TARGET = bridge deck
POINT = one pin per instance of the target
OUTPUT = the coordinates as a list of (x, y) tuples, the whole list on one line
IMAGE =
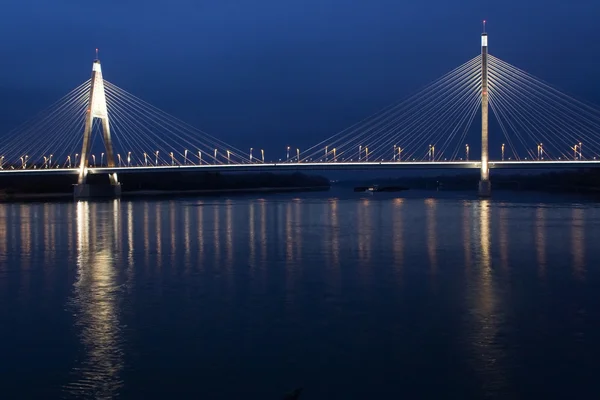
[(316, 166)]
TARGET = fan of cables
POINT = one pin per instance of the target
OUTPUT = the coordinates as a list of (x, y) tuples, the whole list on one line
[(538, 121), (142, 135), (429, 125)]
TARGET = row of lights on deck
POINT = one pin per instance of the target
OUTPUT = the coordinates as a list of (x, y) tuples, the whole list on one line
[(363, 154)]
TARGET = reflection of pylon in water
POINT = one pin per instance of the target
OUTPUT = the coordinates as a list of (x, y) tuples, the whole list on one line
[(96, 109)]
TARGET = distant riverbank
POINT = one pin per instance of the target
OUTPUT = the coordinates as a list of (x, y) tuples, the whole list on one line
[(580, 181), (162, 184)]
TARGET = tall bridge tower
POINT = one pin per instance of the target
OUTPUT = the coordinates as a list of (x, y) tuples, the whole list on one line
[(485, 186), (96, 109)]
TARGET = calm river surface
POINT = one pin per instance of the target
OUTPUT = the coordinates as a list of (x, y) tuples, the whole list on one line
[(350, 296)]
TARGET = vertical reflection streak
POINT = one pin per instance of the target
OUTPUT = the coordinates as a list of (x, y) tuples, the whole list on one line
[(157, 228), (398, 237), (117, 223), (503, 238), (200, 230), (53, 224), (298, 230), (263, 232), (71, 226), (466, 228), (335, 234), (47, 244), (146, 235), (92, 222), (431, 234), (173, 232), (186, 239), (540, 240), (13, 218), (486, 313), (289, 258), (25, 211), (364, 234), (229, 236), (186, 232), (24, 222), (3, 234), (95, 298), (216, 235), (578, 243), (251, 236), (130, 234), (289, 240)]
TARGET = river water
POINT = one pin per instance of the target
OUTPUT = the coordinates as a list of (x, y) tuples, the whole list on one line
[(349, 296)]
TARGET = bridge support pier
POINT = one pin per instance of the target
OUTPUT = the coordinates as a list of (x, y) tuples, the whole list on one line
[(96, 191), (485, 188)]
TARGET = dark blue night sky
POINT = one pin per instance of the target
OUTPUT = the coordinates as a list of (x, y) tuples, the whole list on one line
[(260, 73)]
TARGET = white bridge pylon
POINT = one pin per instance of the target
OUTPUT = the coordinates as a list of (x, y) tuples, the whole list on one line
[(96, 109)]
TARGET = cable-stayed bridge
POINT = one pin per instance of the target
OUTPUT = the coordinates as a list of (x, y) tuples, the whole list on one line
[(99, 128)]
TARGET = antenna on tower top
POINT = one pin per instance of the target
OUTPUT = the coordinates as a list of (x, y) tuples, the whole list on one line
[(484, 21), (96, 54)]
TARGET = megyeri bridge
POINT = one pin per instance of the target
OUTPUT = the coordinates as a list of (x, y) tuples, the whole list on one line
[(541, 128)]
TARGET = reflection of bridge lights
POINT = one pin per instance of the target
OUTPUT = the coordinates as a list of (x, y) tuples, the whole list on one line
[(578, 243), (540, 240), (431, 233), (95, 298)]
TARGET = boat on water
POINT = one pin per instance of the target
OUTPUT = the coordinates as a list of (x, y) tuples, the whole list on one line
[(378, 188)]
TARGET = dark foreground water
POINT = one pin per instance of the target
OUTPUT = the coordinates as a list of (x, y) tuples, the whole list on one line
[(347, 296)]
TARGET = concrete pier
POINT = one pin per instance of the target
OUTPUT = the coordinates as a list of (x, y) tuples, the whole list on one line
[(96, 191)]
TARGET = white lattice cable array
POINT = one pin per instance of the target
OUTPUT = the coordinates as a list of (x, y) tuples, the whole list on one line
[(437, 116)]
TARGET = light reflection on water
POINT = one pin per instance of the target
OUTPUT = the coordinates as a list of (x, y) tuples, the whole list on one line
[(213, 283), (578, 243), (488, 352), (95, 306)]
